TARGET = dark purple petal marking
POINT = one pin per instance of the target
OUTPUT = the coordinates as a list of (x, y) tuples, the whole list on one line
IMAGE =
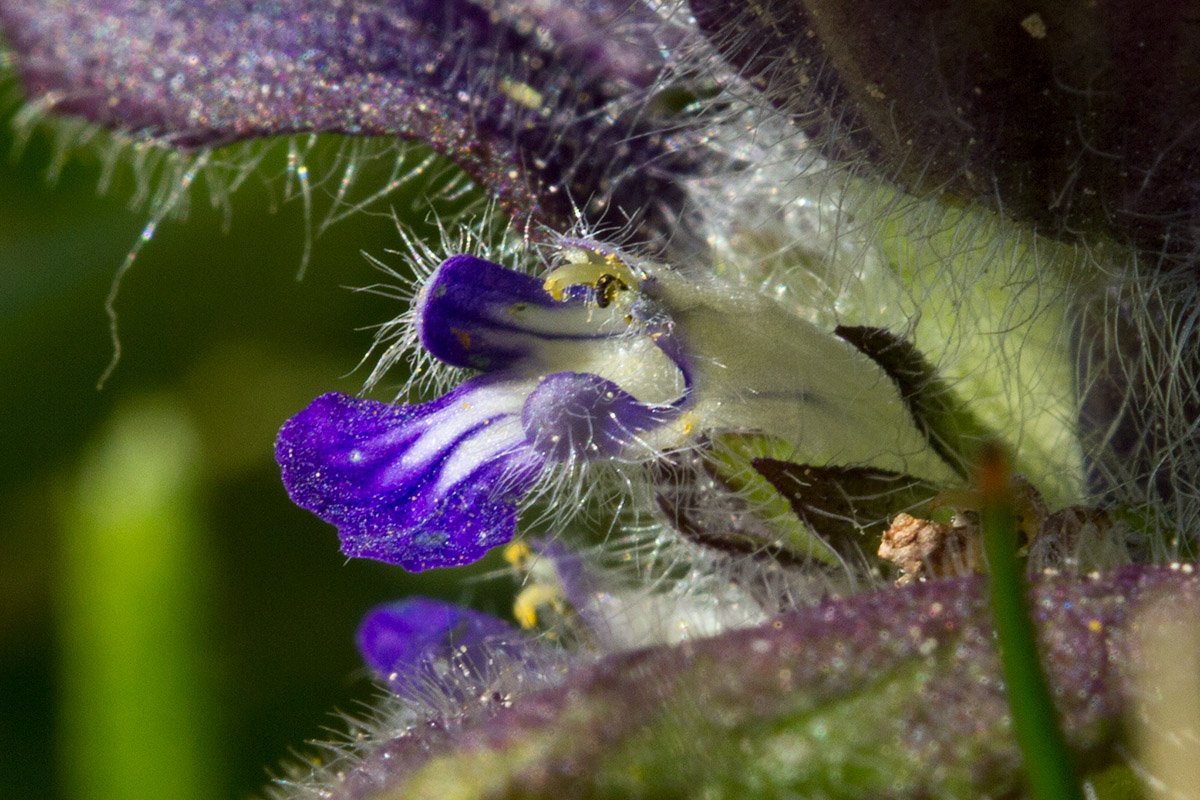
[(422, 486), (572, 415), (405, 643), (528, 97)]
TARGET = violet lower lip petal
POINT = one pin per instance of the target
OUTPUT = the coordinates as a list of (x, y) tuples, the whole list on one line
[(387, 476)]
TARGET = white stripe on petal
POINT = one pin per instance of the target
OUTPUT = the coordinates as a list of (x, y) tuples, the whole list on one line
[(489, 443), (440, 430)]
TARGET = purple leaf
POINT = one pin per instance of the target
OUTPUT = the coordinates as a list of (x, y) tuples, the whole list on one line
[(894, 694), (1079, 118), (530, 98)]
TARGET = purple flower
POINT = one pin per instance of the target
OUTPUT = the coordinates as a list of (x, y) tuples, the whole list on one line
[(608, 358), (439, 483)]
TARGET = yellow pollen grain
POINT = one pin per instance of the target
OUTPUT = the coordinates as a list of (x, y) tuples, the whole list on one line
[(516, 554), (588, 268), (531, 598), (1035, 26), (521, 92)]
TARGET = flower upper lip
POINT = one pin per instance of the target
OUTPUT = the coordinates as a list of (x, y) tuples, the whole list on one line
[(476, 314), (473, 315)]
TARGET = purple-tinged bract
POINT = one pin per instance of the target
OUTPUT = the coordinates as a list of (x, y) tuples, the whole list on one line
[(530, 98)]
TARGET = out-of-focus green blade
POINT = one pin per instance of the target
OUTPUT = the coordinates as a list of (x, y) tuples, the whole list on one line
[(136, 672)]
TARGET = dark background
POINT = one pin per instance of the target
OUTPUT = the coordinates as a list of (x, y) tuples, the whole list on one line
[(170, 625)]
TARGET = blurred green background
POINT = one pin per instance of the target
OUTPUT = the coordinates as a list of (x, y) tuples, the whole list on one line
[(170, 625)]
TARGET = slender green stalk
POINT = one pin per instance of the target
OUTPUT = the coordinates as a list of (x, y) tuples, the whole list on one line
[(1047, 760), (138, 703)]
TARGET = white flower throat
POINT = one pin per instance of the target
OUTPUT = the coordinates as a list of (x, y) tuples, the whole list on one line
[(745, 363)]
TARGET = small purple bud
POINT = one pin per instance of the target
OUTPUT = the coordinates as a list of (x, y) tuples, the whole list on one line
[(406, 643)]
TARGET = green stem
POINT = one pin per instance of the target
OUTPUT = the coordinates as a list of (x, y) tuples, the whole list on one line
[(137, 674), (1048, 764)]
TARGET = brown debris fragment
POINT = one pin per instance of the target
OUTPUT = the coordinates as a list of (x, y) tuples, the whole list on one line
[(925, 549), (1072, 538)]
